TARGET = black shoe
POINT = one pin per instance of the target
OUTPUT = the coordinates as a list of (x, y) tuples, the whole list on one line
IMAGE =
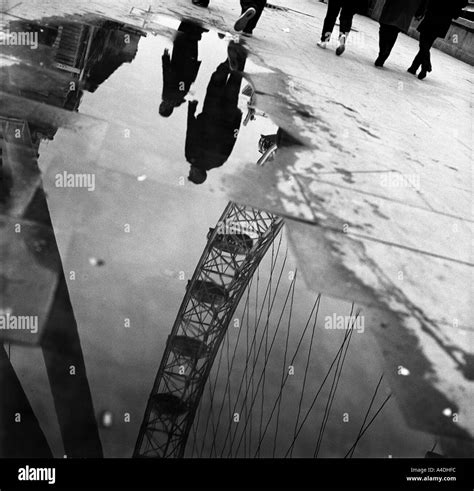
[(201, 3), (422, 74), (412, 70), (243, 20), (379, 62)]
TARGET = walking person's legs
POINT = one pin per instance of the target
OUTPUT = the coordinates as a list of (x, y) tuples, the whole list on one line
[(232, 89), (345, 20), (251, 23), (345, 26), (426, 43), (387, 38), (416, 63), (216, 87), (334, 7), (237, 56)]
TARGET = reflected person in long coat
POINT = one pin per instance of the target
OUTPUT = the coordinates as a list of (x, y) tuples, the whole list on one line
[(436, 23), (211, 136), (396, 17), (181, 68)]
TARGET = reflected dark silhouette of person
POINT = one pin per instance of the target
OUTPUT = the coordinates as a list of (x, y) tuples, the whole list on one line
[(211, 135), (180, 70)]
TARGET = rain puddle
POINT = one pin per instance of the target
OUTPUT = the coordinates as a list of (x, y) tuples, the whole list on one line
[(141, 135)]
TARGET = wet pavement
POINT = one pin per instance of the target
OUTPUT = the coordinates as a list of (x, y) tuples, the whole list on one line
[(111, 116)]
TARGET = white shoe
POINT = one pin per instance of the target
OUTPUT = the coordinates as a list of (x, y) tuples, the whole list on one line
[(322, 44)]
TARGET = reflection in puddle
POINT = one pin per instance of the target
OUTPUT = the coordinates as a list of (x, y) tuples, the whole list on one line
[(211, 136), (228, 367), (72, 57), (181, 67), (89, 102)]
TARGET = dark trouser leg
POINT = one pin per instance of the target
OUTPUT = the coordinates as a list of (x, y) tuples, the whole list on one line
[(258, 5), (388, 37), (232, 90), (217, 86), (219, 77), (334, 7), (345, 20), (192, 31), (416, 62), (185, 45), (426, 42)]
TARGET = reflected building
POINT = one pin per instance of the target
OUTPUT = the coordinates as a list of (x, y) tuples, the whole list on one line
[(71, 57)]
